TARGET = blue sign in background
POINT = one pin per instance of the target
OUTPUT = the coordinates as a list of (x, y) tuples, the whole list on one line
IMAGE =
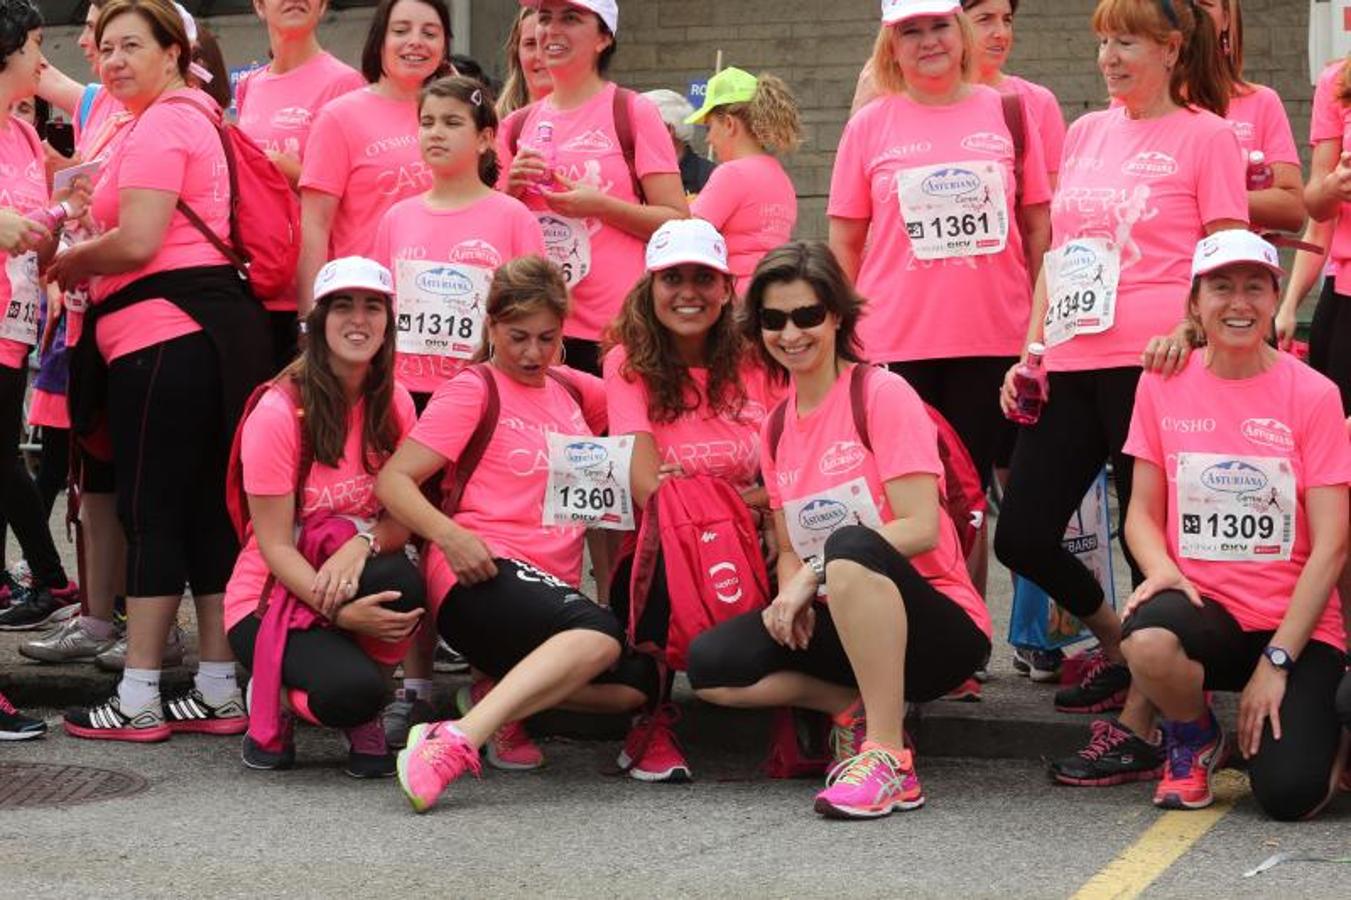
[(697, 91)]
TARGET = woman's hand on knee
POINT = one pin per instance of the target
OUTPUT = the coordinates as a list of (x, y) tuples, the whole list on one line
[(336, 581), (790, 619), (367, 615), (1156, 584), (1261, 700), (469, 557)]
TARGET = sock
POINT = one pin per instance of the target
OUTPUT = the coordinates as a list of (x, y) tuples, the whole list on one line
[(215, 681), (97, 629), (423, 687), (138, 689)]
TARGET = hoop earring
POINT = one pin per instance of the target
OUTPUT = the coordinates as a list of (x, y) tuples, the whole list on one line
[(491, 350), (562, 354)]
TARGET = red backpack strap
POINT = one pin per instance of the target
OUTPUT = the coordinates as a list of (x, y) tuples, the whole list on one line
[(478, 442), (775, 429), (858, 402), (567, 384), (1016, 123), (623, 113)]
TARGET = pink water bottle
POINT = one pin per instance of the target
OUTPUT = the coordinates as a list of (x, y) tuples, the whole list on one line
[(1029, 385), (1260, 176), (52, 217), (544, 146)]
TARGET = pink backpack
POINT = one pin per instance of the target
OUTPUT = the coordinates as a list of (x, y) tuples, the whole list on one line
[(710, 549)]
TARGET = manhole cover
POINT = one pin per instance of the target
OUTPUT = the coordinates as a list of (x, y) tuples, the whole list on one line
[(36, 784)]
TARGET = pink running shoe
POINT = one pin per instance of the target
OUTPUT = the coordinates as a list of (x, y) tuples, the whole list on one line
[(847, 731), (511, 747), (873, 784), (650, 751), (436, 755)]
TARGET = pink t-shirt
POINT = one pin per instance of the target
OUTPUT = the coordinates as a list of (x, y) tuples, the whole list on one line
[(277, 111), (587, 150), (487, 233), (1289, 412), (365, 154), (820, 452), (1330, 120), (270, 453), (1148, 186), (1043, 114), (172, 147), (503, 502), (701, 442), (1260, 121), (23, 189), (911, 312), (753, 203)]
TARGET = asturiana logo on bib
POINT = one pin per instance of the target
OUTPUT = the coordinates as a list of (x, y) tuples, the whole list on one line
[(951, 182), (841, 456), (1269, 433), (556, 231), (822, 515), (986, 142), (1234, 476), (1077, 258), (726, 582), (445, 281), (585, 454), (1150, 164)]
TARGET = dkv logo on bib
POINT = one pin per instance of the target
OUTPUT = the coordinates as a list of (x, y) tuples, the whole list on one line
[(1234, 477)]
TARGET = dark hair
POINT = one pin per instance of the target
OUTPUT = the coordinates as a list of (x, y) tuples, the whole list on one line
[(1202, 77), (608, 54), (166, 26), (17, 19), (372, 54), (972, 4), (814, 263), (479, 98), (208, 55), (470, 68), (325, 404)]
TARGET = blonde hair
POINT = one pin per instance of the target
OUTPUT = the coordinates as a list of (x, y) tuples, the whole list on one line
[(771, 116), (515, 91), (887, 72)]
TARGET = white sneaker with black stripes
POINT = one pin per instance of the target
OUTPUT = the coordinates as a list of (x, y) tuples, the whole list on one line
[(190, 712)]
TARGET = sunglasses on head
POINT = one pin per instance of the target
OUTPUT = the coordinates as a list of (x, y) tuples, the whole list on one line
[(802, 316)]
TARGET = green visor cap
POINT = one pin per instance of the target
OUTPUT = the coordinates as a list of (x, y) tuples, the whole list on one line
[(727, 87)]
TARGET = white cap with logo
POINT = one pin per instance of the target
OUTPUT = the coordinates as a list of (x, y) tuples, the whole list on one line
[(608, 10), (894, 11), (682, 241), (1234, 246), (352, 273)]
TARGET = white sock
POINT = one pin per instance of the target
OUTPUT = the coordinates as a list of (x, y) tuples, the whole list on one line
[(215, 681), (138, 689), (97, 629), (423, 686)]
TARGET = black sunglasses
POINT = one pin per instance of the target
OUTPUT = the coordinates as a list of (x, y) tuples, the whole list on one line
[(803, 317)]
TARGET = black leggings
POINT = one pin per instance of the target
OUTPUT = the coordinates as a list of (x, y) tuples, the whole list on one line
[(20, 502), (501, 621), (1290, 776), (170, 447), (53, 470), (1055, 461), (966, 391), (1330, 340), (284, 337), (344, 687), (943, 646)]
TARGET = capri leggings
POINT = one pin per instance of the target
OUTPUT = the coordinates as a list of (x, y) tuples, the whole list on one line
[(1330, 340), (342, 686), (966, 391), (943, 646), (1290, 776), (1084, 424), (20, 501), (501, 621)]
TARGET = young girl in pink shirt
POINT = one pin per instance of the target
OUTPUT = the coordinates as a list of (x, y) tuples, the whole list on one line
[(749, 197), (874, 606)]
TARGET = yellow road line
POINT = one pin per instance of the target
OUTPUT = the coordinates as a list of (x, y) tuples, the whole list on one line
[(1162, 844)]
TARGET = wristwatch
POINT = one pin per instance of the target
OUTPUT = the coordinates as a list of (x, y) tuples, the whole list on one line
[(818, 566), (1279, 657), (372, 542)]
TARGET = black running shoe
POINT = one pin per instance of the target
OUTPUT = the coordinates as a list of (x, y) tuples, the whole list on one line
[(1102, 688), (1114, 755), (15, 726), (35, 608)]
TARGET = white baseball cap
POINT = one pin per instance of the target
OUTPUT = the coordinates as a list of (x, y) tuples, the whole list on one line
[(894, 11), (352, 273), (608, 10), (1233, 247), (687, 241)]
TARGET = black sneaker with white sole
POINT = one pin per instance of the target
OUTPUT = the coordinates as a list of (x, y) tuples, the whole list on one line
[(108, 722), (15, 726), (34, 609)]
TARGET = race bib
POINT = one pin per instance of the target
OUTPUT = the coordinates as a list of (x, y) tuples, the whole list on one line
[(589, 482), (20, 322), (1235, 509), (567, 242), (1081, 283), (812, 519), (441, 307), (954, 209)]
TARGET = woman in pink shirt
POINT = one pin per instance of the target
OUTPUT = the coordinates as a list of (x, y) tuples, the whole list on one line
[(928, 217), (874, 606), (1139, 184), (749, 197), (168, 310), (528, 78), (598, 196), (334, 415), (366, 155), (1240, 527)]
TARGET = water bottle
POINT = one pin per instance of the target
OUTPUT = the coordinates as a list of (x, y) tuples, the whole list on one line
[(544, 146), (1029, 385), (77, 298), (52, 217), (1260, 176)]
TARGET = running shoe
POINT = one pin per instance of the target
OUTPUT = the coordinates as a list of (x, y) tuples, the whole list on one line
[(437, 754), (68, 642), (982, 673), (1042, 666), (35, 608), (15, 726), (510, 748), (1193, 754), (114, 659), (966, 692), (403, 712), (448, 659), (190, 712), (847, 732), (10, 587), (1114, 755), (368, 755), (873, 784), (1103, 687), (255, 757), (107, 722), (651, 752)]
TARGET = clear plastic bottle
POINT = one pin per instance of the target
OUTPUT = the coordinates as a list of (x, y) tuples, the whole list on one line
[(1260, 175), (544, 146), (1029, 384)]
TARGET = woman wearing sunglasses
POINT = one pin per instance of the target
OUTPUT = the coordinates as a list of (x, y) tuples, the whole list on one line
[(874, 606)]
